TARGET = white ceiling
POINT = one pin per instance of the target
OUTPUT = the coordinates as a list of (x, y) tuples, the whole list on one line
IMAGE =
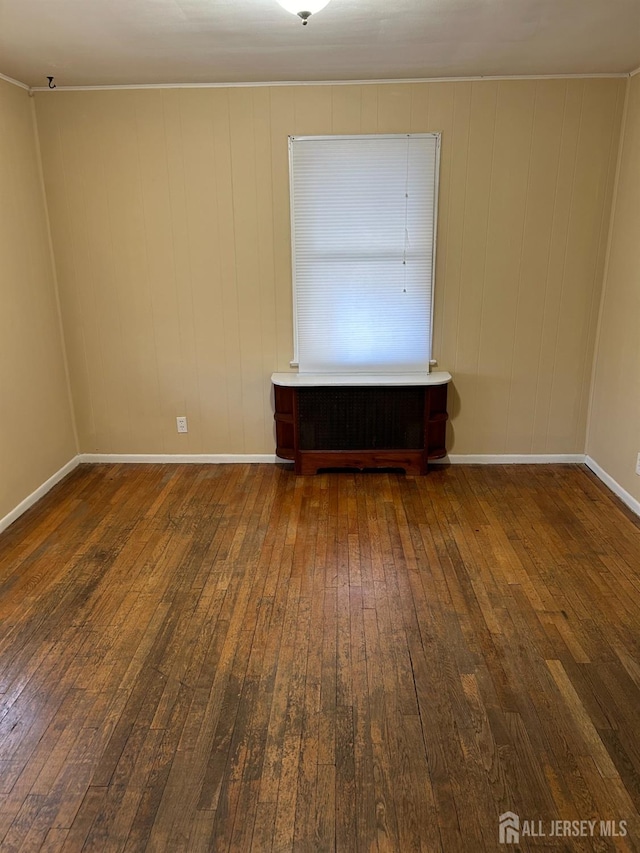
[(108, 42)]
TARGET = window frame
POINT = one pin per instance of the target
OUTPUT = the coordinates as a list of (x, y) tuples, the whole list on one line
[(437, 135)]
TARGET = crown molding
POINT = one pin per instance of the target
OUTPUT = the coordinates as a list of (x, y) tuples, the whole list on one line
[(381, 82), (15, 82), (633, 73)]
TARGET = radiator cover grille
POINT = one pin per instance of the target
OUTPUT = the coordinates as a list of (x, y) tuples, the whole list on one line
[(370, 418)]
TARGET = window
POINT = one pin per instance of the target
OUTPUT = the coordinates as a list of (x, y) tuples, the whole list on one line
[(363, 222)]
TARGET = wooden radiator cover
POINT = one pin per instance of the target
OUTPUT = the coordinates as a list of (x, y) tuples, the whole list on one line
[(361, 426)]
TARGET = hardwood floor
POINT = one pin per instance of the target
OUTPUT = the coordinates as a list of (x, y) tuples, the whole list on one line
[(212, 658)]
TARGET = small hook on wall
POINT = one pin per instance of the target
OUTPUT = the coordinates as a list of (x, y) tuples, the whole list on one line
[(52, 85)]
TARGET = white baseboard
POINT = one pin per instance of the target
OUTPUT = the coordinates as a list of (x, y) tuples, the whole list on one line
[(42, 490), (180, 458), (612, 484), (228, 458), (511, 459)]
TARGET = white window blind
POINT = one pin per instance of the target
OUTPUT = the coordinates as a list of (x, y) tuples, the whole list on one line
[(363, 215)]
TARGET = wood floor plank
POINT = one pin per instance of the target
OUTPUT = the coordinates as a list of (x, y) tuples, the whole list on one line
[(233, 658)]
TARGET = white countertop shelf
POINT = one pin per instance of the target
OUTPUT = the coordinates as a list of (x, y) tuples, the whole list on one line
[(315, 380)]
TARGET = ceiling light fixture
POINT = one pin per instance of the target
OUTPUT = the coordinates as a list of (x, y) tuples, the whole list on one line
[(303, 8)]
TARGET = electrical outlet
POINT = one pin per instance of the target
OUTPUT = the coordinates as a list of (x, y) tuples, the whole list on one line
[(182, 424), (638, 465)]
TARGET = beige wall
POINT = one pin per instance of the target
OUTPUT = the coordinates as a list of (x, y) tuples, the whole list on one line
[(170, 219), (614, 433), (36, 432)]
